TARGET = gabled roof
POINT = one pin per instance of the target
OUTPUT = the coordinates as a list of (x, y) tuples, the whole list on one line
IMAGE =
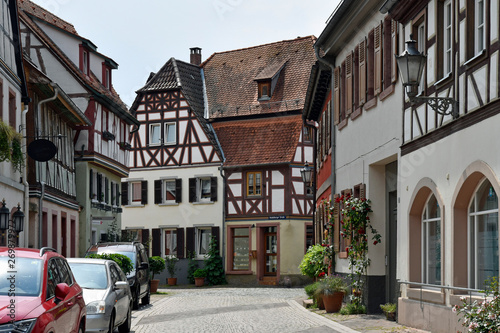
[(262, 141), (231, 78), (176, 74), (108, 97)]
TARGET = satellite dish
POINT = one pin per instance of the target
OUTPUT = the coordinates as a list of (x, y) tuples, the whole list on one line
[(42, 150)]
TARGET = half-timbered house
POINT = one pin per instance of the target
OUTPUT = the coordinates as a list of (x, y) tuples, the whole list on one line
[(174, 193), (354, 96), (13, 104), (91, 174), (449, 168), (255, 99)]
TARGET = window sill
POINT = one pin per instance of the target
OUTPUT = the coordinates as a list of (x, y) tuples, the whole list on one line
[(154, 145), (370, 104), (135, 206), (239, 272), (203, 203), (170, 143), (264, 99), (472, 61), (169, 204), (443, 80)]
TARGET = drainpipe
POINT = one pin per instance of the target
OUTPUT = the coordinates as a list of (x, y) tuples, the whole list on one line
[(332, 128), (42, 183), (25, 178)]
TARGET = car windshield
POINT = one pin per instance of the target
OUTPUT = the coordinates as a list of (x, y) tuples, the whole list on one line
[(20, 276), (90, 276)]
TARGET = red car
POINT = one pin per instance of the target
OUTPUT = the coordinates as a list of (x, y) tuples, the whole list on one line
[(38, 293)]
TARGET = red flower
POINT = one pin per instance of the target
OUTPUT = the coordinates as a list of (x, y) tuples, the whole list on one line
[(321, 274), (338, 199), (353, 208), (347, 249), (375, 243)]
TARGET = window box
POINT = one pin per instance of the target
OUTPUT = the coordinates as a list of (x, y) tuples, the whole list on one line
[(125, 145), (106, 135)]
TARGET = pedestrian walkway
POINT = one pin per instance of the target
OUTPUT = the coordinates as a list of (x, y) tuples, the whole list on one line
[(247, 310)]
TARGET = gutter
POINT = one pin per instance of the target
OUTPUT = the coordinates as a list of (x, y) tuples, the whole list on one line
[(25, 177)]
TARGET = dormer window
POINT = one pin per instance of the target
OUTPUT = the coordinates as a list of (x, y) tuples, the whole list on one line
[(84, 60), (264, 90), (106, 76)]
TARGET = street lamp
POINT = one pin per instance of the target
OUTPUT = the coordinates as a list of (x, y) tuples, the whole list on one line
[(17, 218), (411, 66), (306, 174)]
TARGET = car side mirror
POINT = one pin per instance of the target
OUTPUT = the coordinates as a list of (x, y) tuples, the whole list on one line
[(121, 284), (144, 265), (62, 290)]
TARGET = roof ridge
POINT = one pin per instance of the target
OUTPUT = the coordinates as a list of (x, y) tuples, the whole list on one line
[(312, 37)]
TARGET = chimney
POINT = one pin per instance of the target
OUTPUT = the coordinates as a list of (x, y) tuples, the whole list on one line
[(195, 56)]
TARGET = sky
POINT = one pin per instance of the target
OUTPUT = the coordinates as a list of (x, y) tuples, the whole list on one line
[(142, 35)]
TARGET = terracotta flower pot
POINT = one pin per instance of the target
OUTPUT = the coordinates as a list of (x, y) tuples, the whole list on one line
[(319, 302), (172, 281), (333, 302), (199, 281), (154, 285)]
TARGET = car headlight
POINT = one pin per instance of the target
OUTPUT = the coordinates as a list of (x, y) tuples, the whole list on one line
[(96, 307), (22, 326)]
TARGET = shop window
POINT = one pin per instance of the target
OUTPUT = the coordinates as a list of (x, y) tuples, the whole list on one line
[(240, 249)]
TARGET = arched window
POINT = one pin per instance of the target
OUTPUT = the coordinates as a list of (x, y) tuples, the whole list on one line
[(483, 235), (431, 242)]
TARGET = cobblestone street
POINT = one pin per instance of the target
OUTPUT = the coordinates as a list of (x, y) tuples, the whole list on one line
[(243, 310)]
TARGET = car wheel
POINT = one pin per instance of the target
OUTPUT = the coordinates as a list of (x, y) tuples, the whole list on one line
[(125, 327), (112, 323), (135, 299), (145, 299)]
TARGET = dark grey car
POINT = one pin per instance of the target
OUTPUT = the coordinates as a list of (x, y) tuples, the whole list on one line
[(139, 277)]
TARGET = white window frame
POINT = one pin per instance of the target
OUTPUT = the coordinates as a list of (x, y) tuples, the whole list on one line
[(426, 223), (479, 27), (472, 231), (164, 190), (199, 239), (199, 189), (167, 132), (447, 38), (151, 142), (164, 234), (421, 39), (85, 62), (132, 192)]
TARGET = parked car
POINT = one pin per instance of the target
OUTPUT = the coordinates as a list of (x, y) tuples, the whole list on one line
[(106, 292), (139, 277), (38, 292)]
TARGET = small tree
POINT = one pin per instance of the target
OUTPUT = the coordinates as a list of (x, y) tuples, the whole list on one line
[(192, 266), (171, 261), (122, 260), (313, 264), (213, 265), (156, 265)]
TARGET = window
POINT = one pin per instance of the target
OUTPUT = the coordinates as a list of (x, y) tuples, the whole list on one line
[(309, 236), (431, 242), (84, 60), (170, 242), (479, 27), (168, 191), (134, 193), (12, 109), (155, 134), (203, 236), (447, 37), (170, 133), (483, 236), (241, 247), (307, 134), (203, 189), (264, 90), (421, 48), (254, 183)]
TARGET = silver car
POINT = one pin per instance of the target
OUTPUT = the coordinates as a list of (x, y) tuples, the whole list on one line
[(106, 293)]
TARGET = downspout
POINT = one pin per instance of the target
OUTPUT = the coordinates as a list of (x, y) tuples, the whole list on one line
[(42, 183), (25, 178), (332, 128)]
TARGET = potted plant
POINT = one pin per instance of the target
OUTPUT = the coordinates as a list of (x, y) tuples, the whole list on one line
[(332, 289), (171, 261), (199, 277), (389, 311), (156, 265), (313, 264)]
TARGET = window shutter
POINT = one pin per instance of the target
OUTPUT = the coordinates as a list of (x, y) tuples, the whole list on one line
[(178, 190), (348, 83), (362, 191), (328, 125), (99, 187), (336, 94), (394, 44), (213, 189), (190, 241), (157, 191), (156, 242), (362, 73), (216, 234), (144, 192), (124, 194), (145, 238), (180, 243), (106, 190), (192, 189), (378, 59), (91, 184), (336, 221), (117, 195)]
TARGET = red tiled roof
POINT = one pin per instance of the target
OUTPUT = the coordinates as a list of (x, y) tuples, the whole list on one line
[(43, 14), (268, 140), (231, 77)]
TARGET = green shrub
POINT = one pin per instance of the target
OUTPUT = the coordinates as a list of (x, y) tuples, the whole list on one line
[(200, 273), (332, 284), (192, 266), (122, 260), (388, 307), (353, 308), (214, 266), (171, 261), (310, 289), (156, 265), (313, 263)]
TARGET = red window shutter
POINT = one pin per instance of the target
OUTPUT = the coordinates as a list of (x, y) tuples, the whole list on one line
[(336, 221), (394, 49), (348, 84), (378, 59), (336, 94), (362, 73)]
